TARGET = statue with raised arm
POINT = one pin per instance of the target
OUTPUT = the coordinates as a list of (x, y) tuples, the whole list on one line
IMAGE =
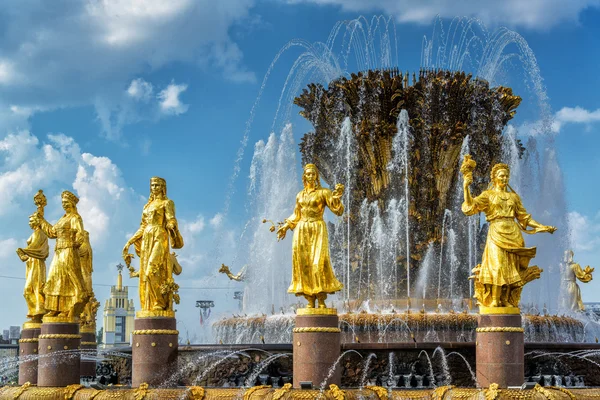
[(312, 272), (571, 273), (158, 233), (504, 268), (34, 256), (65, 292)]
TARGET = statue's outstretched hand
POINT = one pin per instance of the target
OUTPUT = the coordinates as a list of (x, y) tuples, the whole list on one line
[(281, 232), (546, 228), (22, 254), (338, 191)]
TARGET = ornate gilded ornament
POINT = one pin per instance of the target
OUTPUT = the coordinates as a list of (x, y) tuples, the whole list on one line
[(312, 273), (239, 277), (158, 233), (504, 268)]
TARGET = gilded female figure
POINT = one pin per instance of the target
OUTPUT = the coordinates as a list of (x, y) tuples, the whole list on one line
[(312, 273), (34, 256), (572, 271), (505, 264), (65, 291), (158, 233)]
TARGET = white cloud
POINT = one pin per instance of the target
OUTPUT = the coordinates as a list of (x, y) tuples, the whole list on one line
[(534, 14), (576, 115), (99, 184), (139, 89), (28, 166), (193, 227), (566, 115), (169, 100), (217, 220), (92, 51), (584, 231), (8, 248)]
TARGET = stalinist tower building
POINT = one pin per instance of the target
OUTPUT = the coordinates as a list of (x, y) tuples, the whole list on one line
[(119, 312)]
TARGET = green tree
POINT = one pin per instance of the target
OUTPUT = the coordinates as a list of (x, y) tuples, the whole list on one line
[(99, 335)]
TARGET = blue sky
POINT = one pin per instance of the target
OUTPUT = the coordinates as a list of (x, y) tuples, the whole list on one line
[(99, 96)]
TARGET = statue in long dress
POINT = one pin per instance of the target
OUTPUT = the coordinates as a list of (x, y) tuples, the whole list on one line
[(88, 316), (571, 292), (65, 291), (504, 268), (158, 233), (34, 256), (312, 273)]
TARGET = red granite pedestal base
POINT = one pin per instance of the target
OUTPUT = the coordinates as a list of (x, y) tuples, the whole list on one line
[(89, 349), (58, 364), (154, 350), (500, 350), (316, 349), (28, 351)]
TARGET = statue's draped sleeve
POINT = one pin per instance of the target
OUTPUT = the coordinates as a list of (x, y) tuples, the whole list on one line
[(37, 246), (293, 219), (334, 203), (479, 204), (581, 274), (176, 238), (521, 214)]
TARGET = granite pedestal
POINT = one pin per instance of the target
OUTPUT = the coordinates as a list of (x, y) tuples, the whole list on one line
[(500, 350), (28, 351), (154, 350), (59, 360), (89, 349), (316, 348)]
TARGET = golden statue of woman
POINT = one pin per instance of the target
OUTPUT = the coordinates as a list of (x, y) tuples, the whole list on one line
[(571, 272), (504, 269), (312, 273), (158, 233), (34, 256), (65, 291)]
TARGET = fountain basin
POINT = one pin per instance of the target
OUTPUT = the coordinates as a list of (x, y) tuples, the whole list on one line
[(395, 328)]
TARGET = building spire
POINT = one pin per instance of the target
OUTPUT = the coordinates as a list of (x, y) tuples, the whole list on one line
[(120, 277)]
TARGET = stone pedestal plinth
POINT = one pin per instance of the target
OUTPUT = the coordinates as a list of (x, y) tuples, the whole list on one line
[(28, 351), (316, 347), (500, 350), (154, 350), (58, 364), (89, 349)]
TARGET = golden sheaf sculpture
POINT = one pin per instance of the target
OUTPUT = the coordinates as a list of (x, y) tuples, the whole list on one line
[(312, 273), (504, 268), (158, 233), (34, 256)]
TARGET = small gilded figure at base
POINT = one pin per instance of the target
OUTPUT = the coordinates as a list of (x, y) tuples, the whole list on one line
[(504, 268), (312, 272), (571, 272), (34, 256)]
